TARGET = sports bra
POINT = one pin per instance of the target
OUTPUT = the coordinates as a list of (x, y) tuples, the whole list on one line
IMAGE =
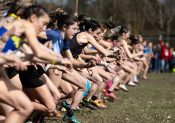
[(75, 47)]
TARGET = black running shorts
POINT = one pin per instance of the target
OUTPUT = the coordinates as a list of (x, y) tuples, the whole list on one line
[(31, 77)]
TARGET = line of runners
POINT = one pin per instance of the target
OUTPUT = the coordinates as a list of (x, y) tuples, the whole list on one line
[(52, 60)]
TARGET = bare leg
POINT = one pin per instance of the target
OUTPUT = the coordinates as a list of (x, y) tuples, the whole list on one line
[(145, 70), (43, 95), (15, 98), (53, 89)]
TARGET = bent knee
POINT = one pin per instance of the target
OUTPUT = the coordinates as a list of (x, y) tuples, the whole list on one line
[(22, 102), (121, 73), (51, 107), (26, 108), (94, 87)]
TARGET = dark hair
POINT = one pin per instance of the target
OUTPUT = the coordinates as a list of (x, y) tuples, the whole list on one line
[(108, 35), (5, 4), (34, 9), (134, 40), (53, 20), (83, 18), (109, 25), (92, 24), (120, 30), (65, 20), (17, 6), (14, 8), (54, 17)]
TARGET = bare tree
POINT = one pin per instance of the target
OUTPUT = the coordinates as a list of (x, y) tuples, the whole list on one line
[(160, 14), (150, 17)]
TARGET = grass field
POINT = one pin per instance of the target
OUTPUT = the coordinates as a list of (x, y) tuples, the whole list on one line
[(153, 101)]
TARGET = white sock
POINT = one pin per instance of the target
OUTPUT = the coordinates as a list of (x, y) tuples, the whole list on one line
[(135, 79), (131, 80)]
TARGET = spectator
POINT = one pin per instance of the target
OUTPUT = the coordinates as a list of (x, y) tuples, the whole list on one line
[(171, 60), (157, 57), (165, 55), (153, 60)]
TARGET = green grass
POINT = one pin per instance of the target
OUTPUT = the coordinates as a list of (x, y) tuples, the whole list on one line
[(153, 101)]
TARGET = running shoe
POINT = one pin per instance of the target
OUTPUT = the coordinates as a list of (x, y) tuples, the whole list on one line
[(98, 103), (29, 121), (88, 104), (72, 119), (38, 118), (111, 96), (63, 109), (123, 87), (131, 83)]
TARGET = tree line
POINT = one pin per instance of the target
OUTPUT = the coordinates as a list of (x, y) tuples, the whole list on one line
[(148, 17)]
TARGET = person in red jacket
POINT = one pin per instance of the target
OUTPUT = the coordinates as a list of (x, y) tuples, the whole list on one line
[(165, 55)]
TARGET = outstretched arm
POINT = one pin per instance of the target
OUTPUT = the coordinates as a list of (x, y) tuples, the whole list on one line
[(100, 49)]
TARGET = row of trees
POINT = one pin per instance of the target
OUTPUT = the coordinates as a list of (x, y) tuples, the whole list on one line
[(150, 17)]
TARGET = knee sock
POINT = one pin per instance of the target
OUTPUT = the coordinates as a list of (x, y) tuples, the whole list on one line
[(88, 88), (109, 84)]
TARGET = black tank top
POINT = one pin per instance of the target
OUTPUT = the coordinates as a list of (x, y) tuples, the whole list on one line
[(75, 47)]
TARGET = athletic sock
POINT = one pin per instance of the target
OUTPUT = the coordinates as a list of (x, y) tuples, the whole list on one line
[(67, 107), (109, 84)]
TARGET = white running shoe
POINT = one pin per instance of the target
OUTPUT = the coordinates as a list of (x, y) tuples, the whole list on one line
[(131, 83), (123, 87)]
